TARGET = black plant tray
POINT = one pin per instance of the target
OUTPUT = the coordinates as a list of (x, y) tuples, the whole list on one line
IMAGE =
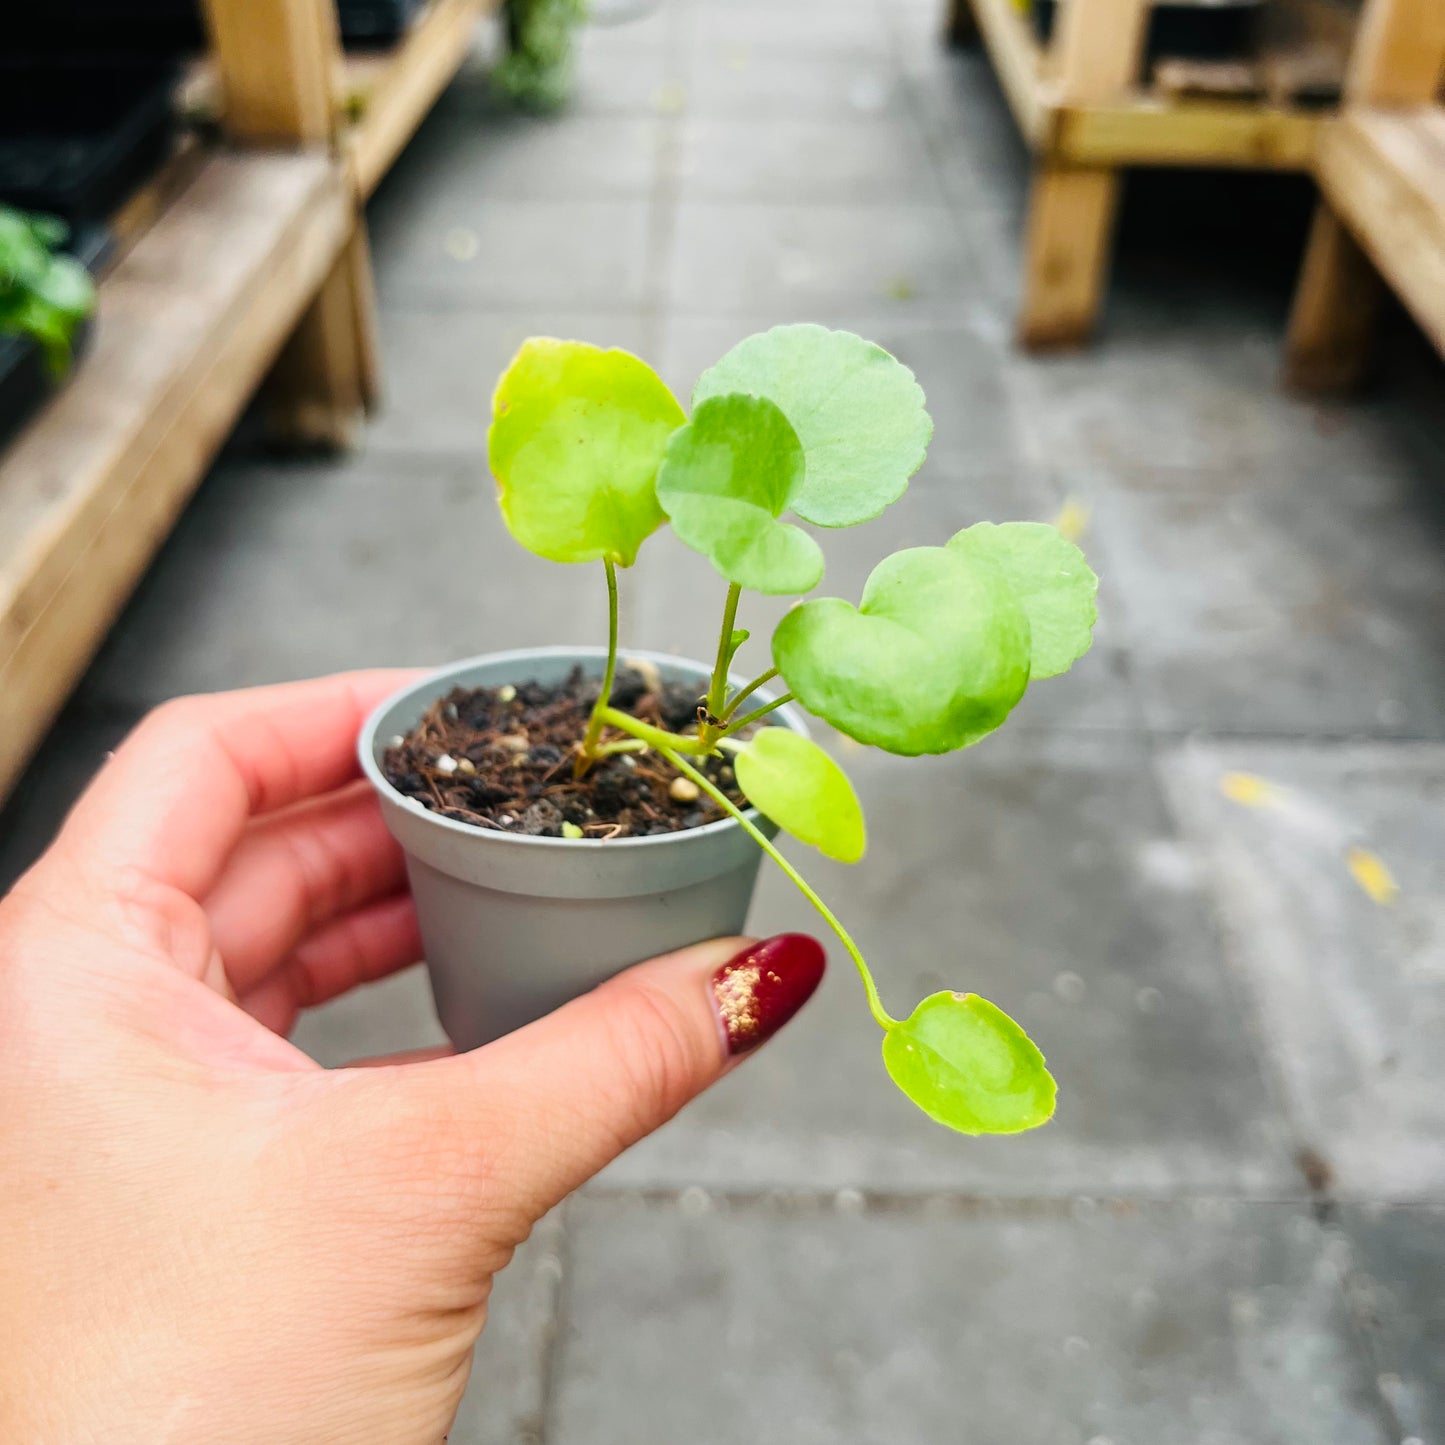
[(168, 28), (25, 380), (76, 139), (378, 22), (1222, 30)]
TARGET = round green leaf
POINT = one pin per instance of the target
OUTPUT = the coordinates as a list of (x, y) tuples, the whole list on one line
[(726, 478), (933, 658), (857, 411), (792, 780), (576, 437), (968, 1065), (1056, 585)]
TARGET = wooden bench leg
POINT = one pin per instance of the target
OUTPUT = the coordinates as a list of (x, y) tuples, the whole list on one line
[(326, 378), (960, 28), (1332, 320), (1066, 255)]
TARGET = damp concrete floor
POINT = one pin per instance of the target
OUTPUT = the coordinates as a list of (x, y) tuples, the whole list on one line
[(1206, 869)]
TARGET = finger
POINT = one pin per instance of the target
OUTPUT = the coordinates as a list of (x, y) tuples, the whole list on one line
[(294, 870), (177, 795), (362, 947), (546, 1107), (405, 1058)]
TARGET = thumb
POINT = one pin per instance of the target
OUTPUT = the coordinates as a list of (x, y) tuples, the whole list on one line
[(564, 1096)]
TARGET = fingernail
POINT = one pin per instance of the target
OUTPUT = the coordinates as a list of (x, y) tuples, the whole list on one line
[(764, 986)]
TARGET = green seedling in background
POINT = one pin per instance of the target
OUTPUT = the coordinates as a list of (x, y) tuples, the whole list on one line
[(592, 453), (43, 295)]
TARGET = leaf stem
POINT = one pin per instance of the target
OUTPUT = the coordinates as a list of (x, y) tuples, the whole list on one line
[(718, 688), (589, 753), (658, 738), (757, 712), (747, 692), (881, 1015)]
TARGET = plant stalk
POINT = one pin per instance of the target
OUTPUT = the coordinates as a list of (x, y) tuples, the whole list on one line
[(757, 712), (716, 693), (589, 753), (747, 692), (881, 1015), (658, 738)]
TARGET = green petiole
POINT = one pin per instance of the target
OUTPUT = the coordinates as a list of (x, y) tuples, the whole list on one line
[(589, 753), (881, 1016)]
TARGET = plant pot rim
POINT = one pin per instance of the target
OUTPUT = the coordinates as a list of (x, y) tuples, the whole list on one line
[(438, 679)]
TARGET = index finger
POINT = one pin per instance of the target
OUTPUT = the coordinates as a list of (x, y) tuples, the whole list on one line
[(175, 798)]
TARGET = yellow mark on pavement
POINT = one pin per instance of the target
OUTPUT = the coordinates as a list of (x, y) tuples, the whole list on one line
[(1370, 871), (1250, 790), (1073, 518)]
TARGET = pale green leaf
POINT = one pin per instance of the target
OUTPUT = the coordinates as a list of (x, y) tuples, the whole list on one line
[(934, 657), (796, 784), (1048, 573), (576, 438), (968, 1065), (727, 476), (858, 412)]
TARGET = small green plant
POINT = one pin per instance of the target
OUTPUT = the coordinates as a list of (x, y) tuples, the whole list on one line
[(537, 68), (43, 295), (592, 453)]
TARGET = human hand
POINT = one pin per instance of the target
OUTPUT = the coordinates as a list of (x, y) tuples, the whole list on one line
[(204, 1236)]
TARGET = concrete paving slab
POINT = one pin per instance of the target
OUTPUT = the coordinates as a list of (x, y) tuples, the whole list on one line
[(440, 366), (70, 756), (1043, 873), (1219, 1324), (506, 1398), (1349, 988), (781, 160), (1397, 1260), (794, 261), (465, 246), (806, 30), (1267, 613), (732, 82), (288, 571)]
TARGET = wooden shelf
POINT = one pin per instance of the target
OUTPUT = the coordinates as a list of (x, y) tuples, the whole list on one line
[(1381, 170), (1383, 174), (1081, 110), (1143, 127), (188, 324), (389, 93)]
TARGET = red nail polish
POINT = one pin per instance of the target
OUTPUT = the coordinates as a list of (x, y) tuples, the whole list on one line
[(764, 986)]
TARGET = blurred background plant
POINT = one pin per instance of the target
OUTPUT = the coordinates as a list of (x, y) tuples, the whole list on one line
[(44, 294), (536, 72)]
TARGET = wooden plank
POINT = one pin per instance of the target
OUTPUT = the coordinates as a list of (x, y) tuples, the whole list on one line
[(1097, 49), (278, 66), (1095, 58), (328, 374), (1384, 175), (1398, 54), (1018, 61), (1150, 132), (1333, 315), (187, 325), (1066, 255), (960, 29), (398, 96)]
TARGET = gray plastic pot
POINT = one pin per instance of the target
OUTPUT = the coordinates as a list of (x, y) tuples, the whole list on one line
[(514, 926)]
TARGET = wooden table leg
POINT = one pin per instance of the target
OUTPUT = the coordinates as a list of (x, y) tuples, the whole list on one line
[(1331, 323), (326, 378), (1095, 55), (1066, 255), (279, 63), (960, 28)]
